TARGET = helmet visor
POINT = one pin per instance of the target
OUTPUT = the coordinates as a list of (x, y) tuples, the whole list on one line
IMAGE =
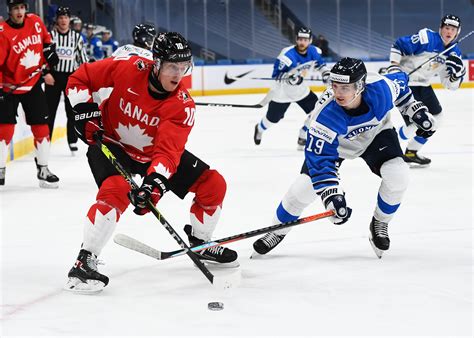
[(176, 68)]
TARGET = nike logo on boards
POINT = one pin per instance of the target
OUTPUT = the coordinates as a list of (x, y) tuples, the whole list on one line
[(229, 80)]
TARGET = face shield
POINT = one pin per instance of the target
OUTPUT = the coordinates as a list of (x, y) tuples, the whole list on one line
[(180, 69)]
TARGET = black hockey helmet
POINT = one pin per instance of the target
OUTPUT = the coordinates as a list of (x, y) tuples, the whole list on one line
[(62, 10), (12, 3), (348, 70), (143, 35), (304, 32), (451, 20), (171, 47)]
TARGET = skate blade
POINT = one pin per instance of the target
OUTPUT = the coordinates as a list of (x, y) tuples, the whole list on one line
[(47, 185), (417, 166), (377, 251), (213, 264), (255, 254), (75, 285)]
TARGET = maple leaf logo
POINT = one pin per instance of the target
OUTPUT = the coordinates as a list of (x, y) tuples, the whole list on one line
[(76, 96), (162, 170), (133, 136), (30, 59)]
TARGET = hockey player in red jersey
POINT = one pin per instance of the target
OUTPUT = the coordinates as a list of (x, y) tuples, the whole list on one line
[(145, 122), (25, 48)]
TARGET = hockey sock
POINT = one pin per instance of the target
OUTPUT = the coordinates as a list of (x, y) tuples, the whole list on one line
[(265, 124), (210, 191), (299, 196), (103, 215), (42, 143), (407, 132), (395, 177), (6, 135)]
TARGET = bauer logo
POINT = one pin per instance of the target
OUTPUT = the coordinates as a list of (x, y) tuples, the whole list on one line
[(322, 132), (339, 78)]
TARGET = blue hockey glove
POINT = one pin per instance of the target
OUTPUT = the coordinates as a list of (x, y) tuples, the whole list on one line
[(333, 199)]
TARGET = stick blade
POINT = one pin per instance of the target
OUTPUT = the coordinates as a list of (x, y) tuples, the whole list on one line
[(135, 245)]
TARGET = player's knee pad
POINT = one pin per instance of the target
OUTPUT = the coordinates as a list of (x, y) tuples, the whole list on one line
[(299, 196), (40, 131), (113, 192), (395, 175), (276, 111), (210, 188), (6, 132)]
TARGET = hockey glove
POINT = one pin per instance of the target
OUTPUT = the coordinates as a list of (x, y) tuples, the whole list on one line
[(422, 118), (49, 52), (455, 68), (333, 199), (294, 80), (153, 187), (88, 122), (325, 77)]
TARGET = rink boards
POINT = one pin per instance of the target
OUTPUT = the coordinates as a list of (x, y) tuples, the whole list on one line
[(207, 80)]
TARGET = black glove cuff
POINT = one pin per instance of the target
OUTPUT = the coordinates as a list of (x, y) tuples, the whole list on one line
[(158, 181)]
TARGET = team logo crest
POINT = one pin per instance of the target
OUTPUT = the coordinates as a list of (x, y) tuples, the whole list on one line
[(140, 65), (183, 96)]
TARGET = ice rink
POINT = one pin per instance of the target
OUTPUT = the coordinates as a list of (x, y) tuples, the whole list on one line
[(321, 280)]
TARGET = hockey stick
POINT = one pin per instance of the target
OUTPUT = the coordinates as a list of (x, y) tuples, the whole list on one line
[(261, 104), (133, 244), (15, 87), (441, 53), (185, 248), (275, 79)]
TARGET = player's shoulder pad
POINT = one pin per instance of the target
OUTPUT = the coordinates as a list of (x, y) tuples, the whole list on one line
[(317, 127), (285, 56), (382, 90), (426, 35)]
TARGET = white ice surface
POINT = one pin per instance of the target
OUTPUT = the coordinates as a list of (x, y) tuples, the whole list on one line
[(322, 280)]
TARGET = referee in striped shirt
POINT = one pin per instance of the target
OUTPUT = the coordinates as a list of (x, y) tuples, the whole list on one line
[(71, 52)]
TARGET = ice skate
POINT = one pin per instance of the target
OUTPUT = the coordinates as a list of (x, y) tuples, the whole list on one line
[(216, 254), (379, 237), (46, 178), (84, 276), (257, 135), (265, 244), (414, 160)]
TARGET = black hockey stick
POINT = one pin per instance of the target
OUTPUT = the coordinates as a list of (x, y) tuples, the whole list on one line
[(185, 248), (261, 104), (138, 246), (441, 53)]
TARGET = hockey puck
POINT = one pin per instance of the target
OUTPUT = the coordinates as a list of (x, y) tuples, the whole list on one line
[(215, 306)]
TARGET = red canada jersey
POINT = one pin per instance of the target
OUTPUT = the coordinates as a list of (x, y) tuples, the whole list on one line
[(21, 53), (148, 129)]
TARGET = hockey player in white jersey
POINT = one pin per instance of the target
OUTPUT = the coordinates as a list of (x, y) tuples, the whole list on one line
[(352, 119), (411, 51), (289, 70), (143, 35)]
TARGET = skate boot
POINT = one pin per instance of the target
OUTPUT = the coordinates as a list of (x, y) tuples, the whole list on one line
[(414, 160), (2, 175), (257, 135), (215, 254), (46, 178), (84, 276), (73, 148), (379, 237), (301, 143), (267, 243)]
